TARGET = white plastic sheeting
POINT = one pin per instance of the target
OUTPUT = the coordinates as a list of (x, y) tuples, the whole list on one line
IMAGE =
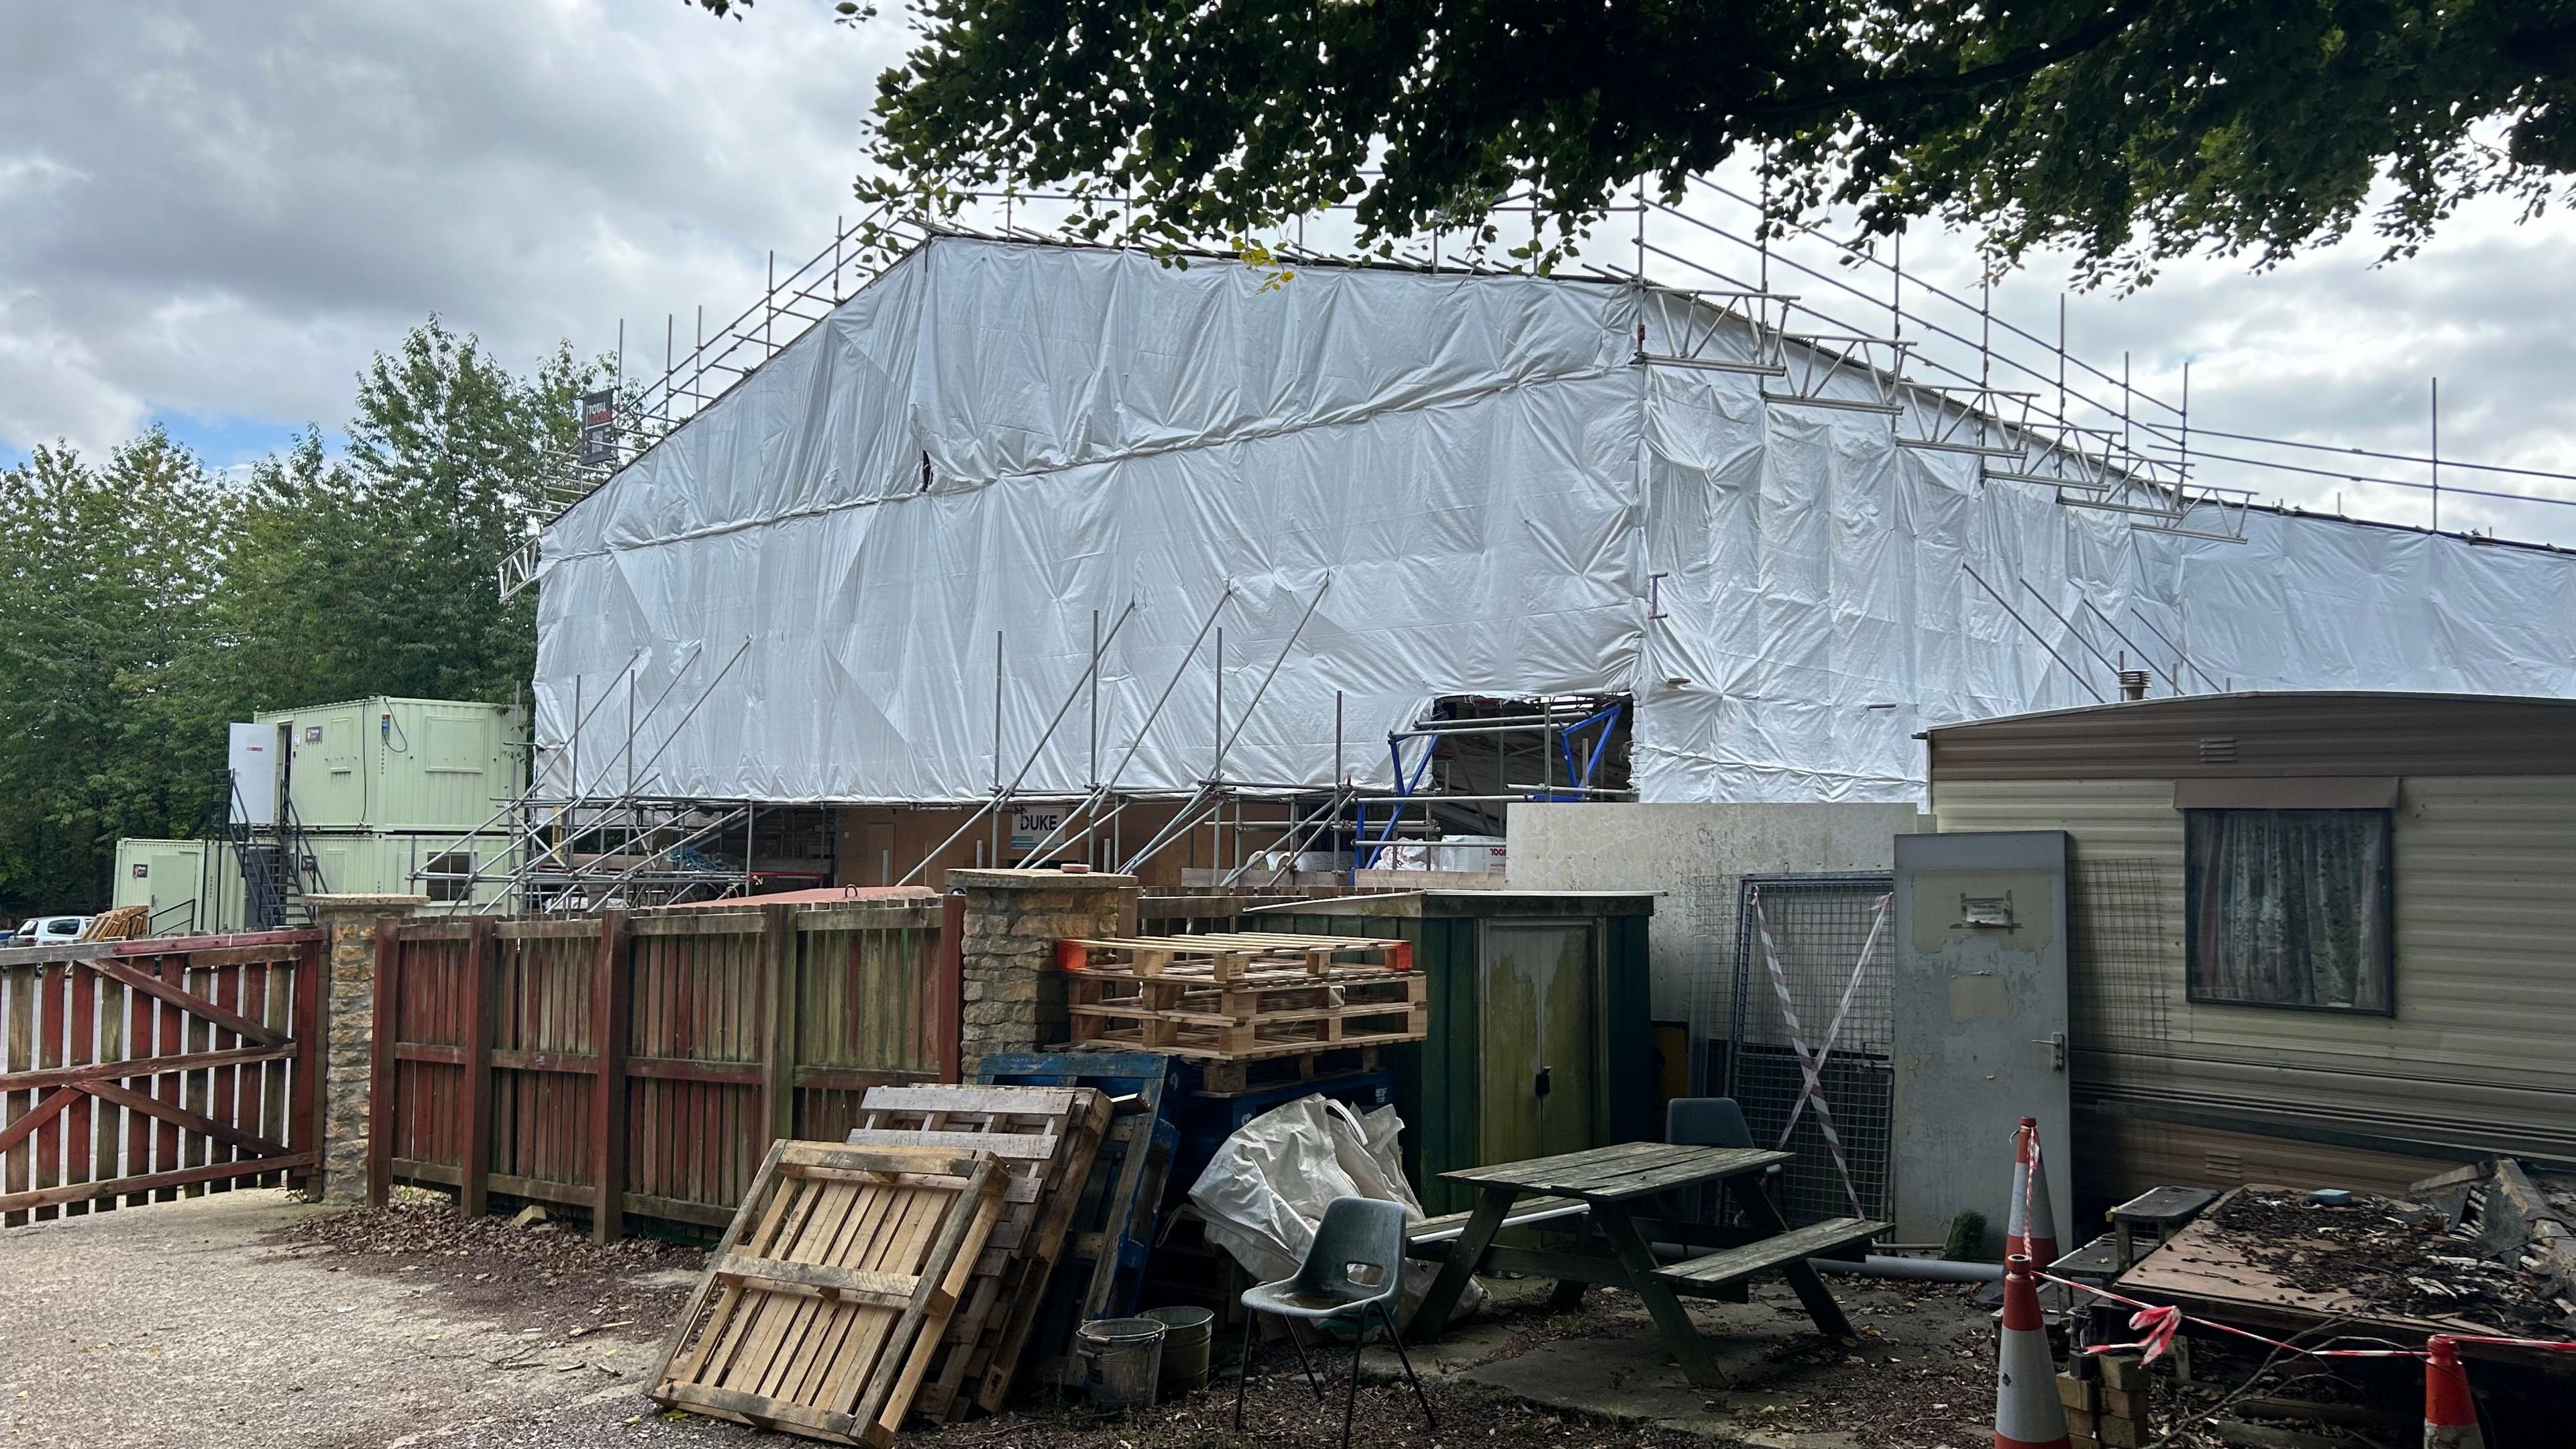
[(1466, 478), (1264, 1193)]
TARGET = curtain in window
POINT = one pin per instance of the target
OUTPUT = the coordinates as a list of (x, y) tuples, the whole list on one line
[(2290, 907)]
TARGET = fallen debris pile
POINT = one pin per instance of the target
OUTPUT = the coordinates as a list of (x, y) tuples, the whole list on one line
[(2401, 1258), (2487, 1244)]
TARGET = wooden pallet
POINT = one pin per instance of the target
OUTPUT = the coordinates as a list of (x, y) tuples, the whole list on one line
[(1237, 1079), (822, 1307), (1263, 1014), (1103, 1267), (1228, 955), (1045, 1139)]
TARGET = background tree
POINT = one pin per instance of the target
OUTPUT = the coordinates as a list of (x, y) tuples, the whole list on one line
[(2126, 130), (145, 603), (374, 573), (106, 573)]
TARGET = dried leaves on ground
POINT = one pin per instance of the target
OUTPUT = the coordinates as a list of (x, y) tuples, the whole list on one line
[(546, 1274)]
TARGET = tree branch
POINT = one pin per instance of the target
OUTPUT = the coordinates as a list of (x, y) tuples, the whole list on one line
[(2094, 36)]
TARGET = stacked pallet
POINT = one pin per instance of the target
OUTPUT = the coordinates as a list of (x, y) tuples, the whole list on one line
[(1242, 996), (826, 1302), (1043, 1140)]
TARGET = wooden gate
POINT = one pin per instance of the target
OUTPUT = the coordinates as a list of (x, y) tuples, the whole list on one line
[(135, 1071)]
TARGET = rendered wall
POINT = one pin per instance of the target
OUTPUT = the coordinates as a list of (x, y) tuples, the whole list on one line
[(1690, 855)]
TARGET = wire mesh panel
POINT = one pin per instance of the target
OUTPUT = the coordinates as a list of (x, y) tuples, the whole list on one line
[(1822, 990), (1702, 912)]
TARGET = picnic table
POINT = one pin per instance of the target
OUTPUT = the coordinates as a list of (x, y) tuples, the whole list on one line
[(1595, 1198)]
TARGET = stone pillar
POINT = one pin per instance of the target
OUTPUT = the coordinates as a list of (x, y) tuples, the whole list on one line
[(348, 925), (1014, 999)]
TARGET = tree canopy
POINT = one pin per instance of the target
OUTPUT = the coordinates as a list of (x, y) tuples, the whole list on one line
[(2127, 131), (145, 602)]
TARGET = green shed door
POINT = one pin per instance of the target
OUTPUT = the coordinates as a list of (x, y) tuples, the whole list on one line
[(1536, 1073)]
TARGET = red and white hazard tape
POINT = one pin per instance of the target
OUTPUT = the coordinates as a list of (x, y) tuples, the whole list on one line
[(1842, 1010), (1815, 1086), (2160, 1321)]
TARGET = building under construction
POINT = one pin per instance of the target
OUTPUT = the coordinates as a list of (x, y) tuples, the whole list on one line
[(1019, 550)]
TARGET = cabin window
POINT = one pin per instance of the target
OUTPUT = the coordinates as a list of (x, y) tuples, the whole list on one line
[(449, 877), (2290, 908)]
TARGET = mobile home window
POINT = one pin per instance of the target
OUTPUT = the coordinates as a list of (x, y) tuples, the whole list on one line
[(2289, 908), (449, 877)]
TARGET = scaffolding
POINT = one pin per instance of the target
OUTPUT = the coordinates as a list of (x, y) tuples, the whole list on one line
[(1948, 375)]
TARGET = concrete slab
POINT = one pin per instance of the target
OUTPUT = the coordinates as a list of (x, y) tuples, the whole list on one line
[(1791, 1389)]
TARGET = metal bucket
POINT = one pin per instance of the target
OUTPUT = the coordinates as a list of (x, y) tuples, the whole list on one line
[(1185, 1348), (1122, 1361)]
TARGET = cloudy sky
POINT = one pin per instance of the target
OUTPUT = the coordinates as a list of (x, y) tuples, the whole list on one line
[(210, 215)]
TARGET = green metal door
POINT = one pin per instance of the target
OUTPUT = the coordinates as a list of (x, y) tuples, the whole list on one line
[(1537, 1077)]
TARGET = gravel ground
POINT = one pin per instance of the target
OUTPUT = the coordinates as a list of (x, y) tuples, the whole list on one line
[(200, 1323), (243, 1319)]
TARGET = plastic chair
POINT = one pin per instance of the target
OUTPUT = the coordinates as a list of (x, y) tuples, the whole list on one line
[(1708, 1122), (1358, 1233)]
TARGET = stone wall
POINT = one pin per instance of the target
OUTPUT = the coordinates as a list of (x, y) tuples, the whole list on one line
[(348, 925), (1013, 997)]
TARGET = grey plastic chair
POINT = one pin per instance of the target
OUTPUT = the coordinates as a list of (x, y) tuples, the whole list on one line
[(1708, 1122), (1357, 1233)]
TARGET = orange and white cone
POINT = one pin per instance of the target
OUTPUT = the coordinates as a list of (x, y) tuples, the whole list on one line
[(2028, 1412), (2450, 1415), (2030, 1224)]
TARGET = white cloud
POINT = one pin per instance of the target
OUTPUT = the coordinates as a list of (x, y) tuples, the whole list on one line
[(219, 213)]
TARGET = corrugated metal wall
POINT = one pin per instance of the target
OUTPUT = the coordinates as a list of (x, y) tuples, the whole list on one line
[(2481, 1051)]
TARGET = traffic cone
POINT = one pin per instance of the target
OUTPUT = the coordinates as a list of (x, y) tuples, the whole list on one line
[(2031, 1224), (2450, 1416), (2028, 1412)]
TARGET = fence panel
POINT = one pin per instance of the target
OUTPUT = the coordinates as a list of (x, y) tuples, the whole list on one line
[(140, 1071), (644, 1063), (544, 1063), (693, 1061), (866, 1013), (421, 1027)]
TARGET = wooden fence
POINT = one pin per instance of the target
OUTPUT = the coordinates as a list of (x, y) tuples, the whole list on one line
[(643, 1063), (138, 1071)]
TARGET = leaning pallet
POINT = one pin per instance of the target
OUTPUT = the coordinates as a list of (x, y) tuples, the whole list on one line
[(1227, 955), (1103, 1265), (1276, 1011), (1044, 1138), (825, 1302)]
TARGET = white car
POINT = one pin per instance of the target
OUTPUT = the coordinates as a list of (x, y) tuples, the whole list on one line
[(48, 930)]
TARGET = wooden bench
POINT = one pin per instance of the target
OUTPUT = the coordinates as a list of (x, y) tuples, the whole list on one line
[(1436, 1234), (1705, 1276)]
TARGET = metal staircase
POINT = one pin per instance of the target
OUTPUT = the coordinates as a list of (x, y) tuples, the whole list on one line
[(277, 873)]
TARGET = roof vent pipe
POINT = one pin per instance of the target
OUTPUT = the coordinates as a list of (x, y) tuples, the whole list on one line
[(2133, 684)]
